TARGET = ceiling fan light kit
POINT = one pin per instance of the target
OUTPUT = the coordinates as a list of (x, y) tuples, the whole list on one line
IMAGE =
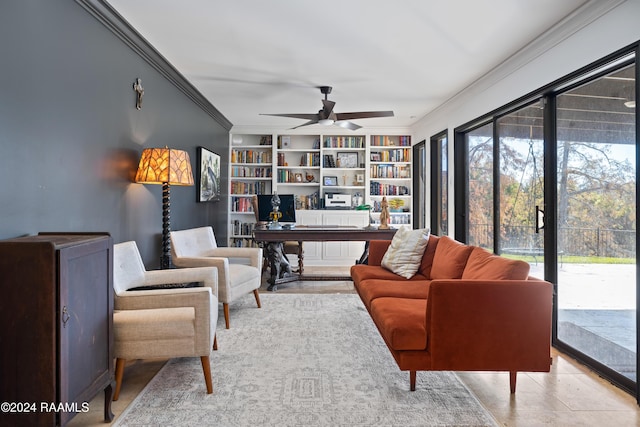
[(327, 117)]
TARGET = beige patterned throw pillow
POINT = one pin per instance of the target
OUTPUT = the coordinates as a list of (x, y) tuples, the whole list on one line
[(405, 252)]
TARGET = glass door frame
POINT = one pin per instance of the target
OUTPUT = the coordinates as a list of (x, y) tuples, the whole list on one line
[(548, 95)]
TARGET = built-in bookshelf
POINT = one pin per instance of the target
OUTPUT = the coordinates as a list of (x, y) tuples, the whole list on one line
[(364, 168), (250, 174), (390, 177)]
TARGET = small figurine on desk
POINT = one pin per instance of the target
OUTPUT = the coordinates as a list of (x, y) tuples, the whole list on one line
[(384, 215)]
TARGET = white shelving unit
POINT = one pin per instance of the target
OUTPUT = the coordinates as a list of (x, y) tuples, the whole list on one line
[(365, 167), (250, 173)]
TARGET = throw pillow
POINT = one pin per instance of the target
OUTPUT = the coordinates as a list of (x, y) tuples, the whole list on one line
[(404, 255), (450, 259), (482, 264)]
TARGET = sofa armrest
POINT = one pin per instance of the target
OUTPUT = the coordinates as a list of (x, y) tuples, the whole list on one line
[(207, 275), (254, 255), (489, 325), (377, 249)]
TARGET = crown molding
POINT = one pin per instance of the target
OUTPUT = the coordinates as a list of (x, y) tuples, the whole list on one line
[(111, 19)]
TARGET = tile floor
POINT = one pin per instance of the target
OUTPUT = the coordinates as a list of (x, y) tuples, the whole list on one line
[(570, 395)]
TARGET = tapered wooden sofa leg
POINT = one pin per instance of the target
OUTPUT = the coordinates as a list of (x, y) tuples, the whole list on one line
[(215, 342), (257, 295), (206, 368), (225, 307), (412, 380), (512, 381), (119, 375)]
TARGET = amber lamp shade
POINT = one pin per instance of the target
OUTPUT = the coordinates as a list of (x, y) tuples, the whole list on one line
[(168, 167)]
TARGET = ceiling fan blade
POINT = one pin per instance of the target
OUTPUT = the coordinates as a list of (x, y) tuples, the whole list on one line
[(313, 116), (311, 122), (363, 115), (328, 107), (347, 125)]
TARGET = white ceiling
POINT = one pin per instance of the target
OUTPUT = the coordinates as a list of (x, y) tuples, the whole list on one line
[(410, 56)]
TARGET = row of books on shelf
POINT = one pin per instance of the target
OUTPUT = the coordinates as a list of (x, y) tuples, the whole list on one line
[(395, 220), (240, 228), (389, 171), (243, 243), (239, 187), (284, 142), (311, 201), (344, 142), (397, 155), (386, 141), (288, 176), (328, 161), (250, 172), (381, 189), (306, 159), (251, 156), (241, 204)]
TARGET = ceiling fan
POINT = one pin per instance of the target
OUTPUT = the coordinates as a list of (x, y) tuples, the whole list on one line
[(327, 117)]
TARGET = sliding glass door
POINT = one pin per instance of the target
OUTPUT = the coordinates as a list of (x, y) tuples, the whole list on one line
[(596, 221), (553, 181)]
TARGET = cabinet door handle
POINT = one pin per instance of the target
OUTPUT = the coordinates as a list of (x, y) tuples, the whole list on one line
[(65, 316)]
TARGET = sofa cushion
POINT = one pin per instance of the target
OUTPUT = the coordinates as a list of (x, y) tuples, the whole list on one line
[(404, 255), (482, 264), (450, 259), (360, 272), (401, 321), (427, 259), (371, 289)]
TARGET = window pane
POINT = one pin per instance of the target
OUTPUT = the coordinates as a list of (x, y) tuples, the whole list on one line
[(480, 185)]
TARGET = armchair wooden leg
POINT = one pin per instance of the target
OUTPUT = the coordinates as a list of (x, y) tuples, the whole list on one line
[(206, 368), (225, 307), (512, 381), (215, 341), (119, 374), (412, 380), (257, 295)]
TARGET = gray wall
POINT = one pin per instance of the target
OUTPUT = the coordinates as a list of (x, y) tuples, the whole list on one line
[(71, 137)]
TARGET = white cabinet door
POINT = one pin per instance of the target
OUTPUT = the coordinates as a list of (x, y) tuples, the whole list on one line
[(312, 250), (343, 253)]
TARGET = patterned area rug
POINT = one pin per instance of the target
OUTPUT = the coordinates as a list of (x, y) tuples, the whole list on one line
[(302, 360)]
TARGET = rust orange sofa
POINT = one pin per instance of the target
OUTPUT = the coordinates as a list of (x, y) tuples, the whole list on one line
[(464, 310)]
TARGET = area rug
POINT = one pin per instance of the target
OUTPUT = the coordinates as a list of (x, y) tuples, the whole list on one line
[(302, 360)]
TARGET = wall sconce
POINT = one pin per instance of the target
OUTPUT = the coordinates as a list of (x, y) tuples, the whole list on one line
[(167, 167)]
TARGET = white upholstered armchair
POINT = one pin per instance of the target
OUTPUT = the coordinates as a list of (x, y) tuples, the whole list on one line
[(197, 247), (160, 321)]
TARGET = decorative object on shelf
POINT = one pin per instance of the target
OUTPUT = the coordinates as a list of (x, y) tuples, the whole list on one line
[(310, 177), (384, 214), (348, 160), (298, 177), (344, 179), (395, 204), (275, 214), (285, 142), (359, 179), (237, 139), (137, 87), (208, 176), (167, 167)]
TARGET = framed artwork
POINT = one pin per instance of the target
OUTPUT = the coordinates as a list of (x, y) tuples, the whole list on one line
[(359, 178), (298, 177), (330, 180), (208, 186), (348, 160)]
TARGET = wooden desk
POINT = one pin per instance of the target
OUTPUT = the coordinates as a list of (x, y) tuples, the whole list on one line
[(272, 240)]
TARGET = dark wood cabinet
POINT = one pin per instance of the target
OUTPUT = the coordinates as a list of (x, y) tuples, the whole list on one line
[(56, 326)]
